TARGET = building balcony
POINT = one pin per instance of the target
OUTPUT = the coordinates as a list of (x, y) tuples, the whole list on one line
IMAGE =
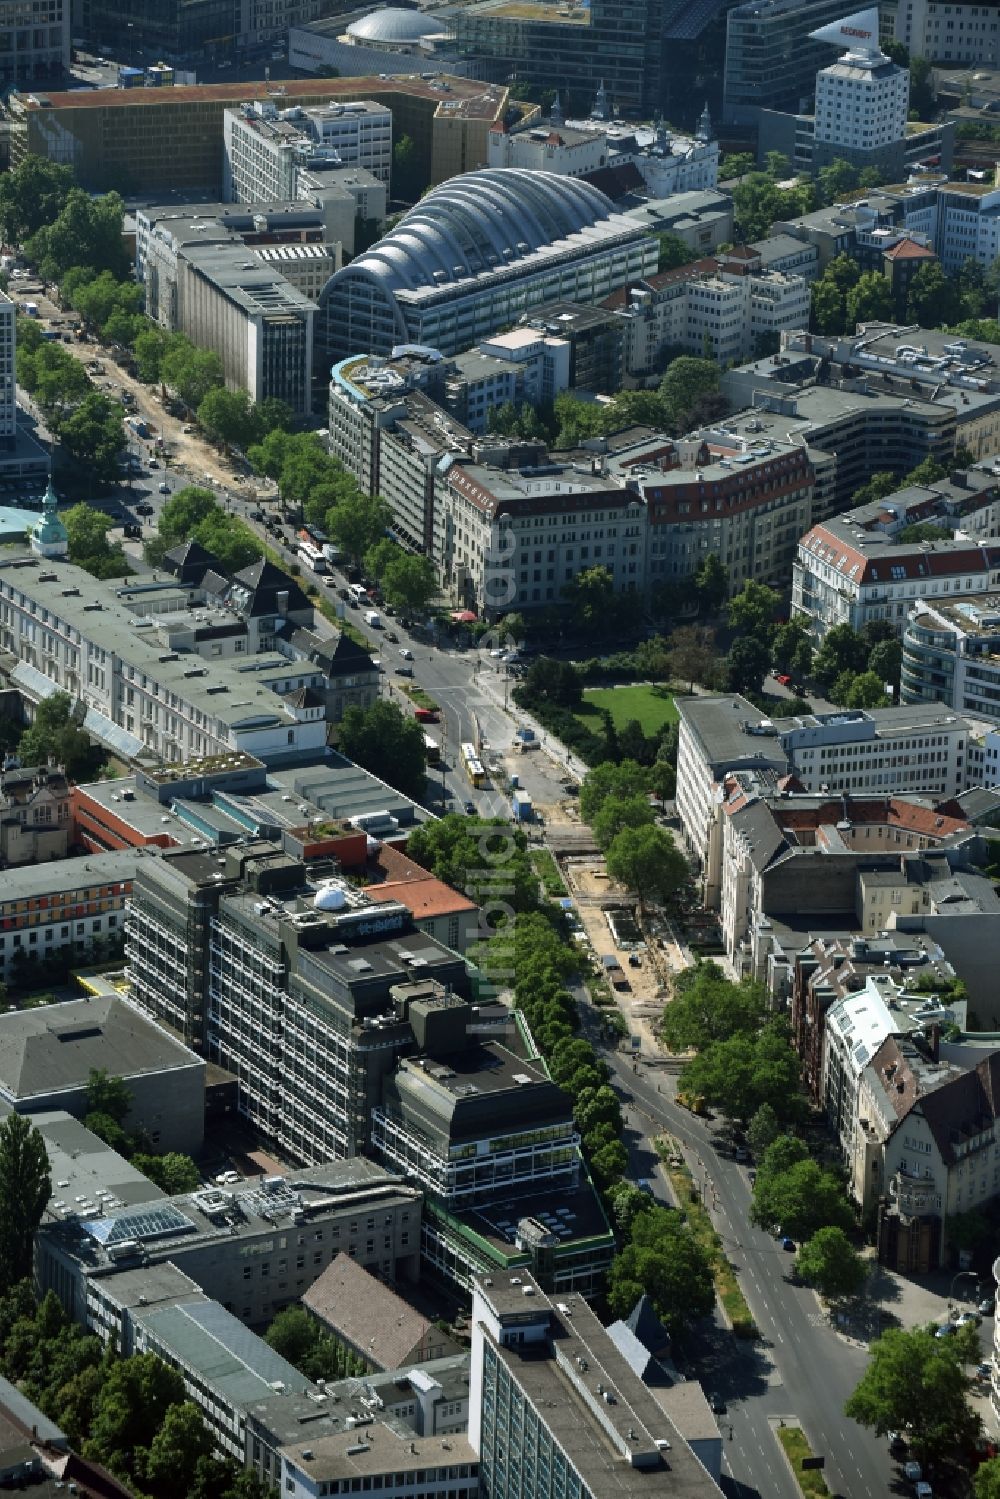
[(914, 1196)]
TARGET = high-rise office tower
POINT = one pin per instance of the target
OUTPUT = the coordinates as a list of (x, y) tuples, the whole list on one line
[(772, 57)]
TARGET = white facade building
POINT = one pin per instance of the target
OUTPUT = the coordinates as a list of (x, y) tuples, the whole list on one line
[(862, 100), (959, 32), (910, 749), (70, 633), (267, 149), (727, 304)]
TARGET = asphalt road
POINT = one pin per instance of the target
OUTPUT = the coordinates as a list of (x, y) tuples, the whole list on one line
[(798, 1367)]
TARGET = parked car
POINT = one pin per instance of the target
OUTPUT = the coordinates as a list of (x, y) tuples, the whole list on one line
[(144, 508), (228, 1178), (968, 1317), (788, 1244), (987, 1307), (154, 463), (945, 1330), (404, 671), (163, 487), (406, 653), (133, 532), (984, 1373), (470, 809), (913, 1472), (897, 1444)]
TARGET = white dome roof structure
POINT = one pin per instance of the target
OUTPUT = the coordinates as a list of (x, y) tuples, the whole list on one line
[(330, 897), (394, 24)]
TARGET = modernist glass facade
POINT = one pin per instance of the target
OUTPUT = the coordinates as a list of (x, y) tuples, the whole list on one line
[(770, 61)]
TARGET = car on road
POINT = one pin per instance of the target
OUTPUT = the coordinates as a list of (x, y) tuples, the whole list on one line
[(187, 431), (426, 715), (782, 678), (634, 960), (133, 532), (945, 1330), (144, 508), (969, 1317), (470, 809), (788, 1244), (406, 653), (404, 671), (987, 1307), (392, 637), (163, 487), (984, 1373)]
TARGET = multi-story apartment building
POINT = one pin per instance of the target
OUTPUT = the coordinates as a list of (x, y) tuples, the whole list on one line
[(729, 304), (859, 567), (34, 41), (710, 492), (772, 57), (717, 736), (950, 34), (267, 150), (850, 432), (148, 140), (960, 373), (829, 858), (71, 904), (34, 814), (960, 219), (829, 969), (543, 1373), (192, 31), (474, 255), (951, 655), (925, 1149)]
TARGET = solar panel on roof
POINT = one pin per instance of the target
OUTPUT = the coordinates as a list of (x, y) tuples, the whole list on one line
[(150, 1223)]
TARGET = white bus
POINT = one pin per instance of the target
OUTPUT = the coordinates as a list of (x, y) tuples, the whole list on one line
[(312, 557)]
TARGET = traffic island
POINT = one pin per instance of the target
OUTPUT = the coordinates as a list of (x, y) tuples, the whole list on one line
[(800, 1458), (686, 1194)]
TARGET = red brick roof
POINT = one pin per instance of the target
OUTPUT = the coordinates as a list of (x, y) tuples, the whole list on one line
[(908, 249), (425, 896)]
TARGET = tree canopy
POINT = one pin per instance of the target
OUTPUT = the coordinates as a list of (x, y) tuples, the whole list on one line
[(663, 1260), (830, 1262), (916, 1382), (708, 1007), (388, 742), (741, 1072), (25, 1188), (56, 734)]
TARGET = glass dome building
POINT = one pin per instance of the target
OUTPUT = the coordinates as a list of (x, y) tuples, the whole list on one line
[(474, 255)]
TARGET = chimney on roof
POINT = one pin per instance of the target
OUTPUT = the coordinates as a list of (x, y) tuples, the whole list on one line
[(935, 1042)]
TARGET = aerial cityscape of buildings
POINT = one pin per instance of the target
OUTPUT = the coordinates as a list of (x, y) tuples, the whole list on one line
[(499, 549)]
